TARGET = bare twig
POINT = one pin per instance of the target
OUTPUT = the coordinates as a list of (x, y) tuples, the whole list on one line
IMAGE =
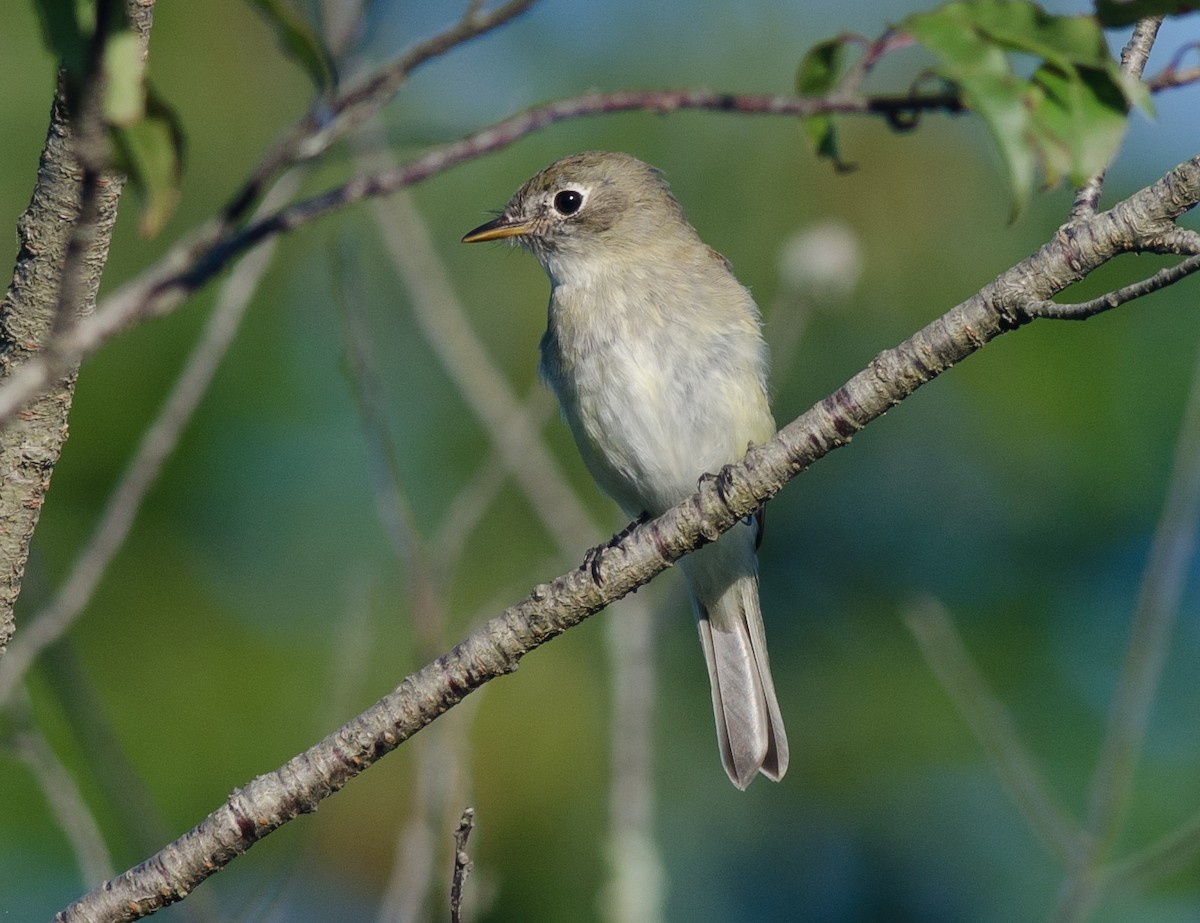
[(209, 250), (462, 863), (1170, 78), (1106, 302), (66, 803), (157, 444), (1154, 618), (993, 727), (1174, 74), (332, 119), (1133, 62)]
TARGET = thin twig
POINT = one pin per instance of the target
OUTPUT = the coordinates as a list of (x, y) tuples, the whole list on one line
[(66, 803), (462, 863), (1106, 302), (993, 727), (1170, 78), (211, 248), (1162, 586), (1133, 62), (156, 446), (333, 119), (1174, 74)]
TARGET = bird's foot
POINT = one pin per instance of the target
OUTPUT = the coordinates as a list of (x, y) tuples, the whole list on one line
[(593, 557), (724, 479)]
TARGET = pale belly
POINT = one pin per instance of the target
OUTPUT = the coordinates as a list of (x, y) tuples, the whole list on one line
[(651, 418)]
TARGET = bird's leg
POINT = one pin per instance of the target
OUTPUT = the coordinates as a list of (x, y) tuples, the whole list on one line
[(591, 560)]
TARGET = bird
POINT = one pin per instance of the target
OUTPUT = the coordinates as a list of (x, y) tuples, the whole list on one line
[(656, 355)]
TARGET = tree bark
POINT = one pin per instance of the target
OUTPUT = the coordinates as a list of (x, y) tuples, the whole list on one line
[(31, 443)]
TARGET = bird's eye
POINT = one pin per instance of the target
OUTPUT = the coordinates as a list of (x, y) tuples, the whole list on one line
[(568, 202)]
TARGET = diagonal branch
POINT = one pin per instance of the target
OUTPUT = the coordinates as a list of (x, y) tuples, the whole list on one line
[(212, 248), (332, 119), (64, 236), (993, 727), (1106, 302), (497, 647)]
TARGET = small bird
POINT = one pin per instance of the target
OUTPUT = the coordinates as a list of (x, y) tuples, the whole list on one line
[(656, 355)]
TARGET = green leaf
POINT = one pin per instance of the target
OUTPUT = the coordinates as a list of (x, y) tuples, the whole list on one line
[(124, 84), (821, 70), (1067, 119), (1125, 12), (150, 152), (65, 33), (822, 67), (300, 41)]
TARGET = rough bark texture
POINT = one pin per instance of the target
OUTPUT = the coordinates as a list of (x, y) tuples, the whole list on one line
[(1144, 221), (31, 443)]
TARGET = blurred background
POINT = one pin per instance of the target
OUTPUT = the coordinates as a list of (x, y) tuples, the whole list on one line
[(336, 514)]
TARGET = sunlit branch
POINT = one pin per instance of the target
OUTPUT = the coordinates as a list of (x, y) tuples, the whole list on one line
[(1133, 62), (1106, 302)]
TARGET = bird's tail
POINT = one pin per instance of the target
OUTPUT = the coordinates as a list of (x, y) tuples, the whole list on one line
[(723, 578)]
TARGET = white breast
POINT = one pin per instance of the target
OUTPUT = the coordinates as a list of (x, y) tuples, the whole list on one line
[(655, 395)]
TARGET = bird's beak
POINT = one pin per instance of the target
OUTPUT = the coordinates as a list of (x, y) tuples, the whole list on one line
[(497, 229)]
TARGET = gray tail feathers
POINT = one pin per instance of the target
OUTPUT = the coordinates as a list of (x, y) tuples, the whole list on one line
[(724, 581)]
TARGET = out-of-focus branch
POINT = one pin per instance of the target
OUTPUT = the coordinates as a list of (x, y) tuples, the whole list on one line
[(333, 119), (210, 249), (516, 437), (992, 726), (65, 800), (1154, 618), (524, 458), (495, 648), (509, 427), (157, 444)]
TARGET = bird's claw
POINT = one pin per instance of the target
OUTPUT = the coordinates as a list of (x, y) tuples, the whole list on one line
[(594, 556), (724, 479)]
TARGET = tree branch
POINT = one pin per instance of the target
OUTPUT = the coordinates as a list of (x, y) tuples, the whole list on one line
[(1133, 62), (497, 647), (210, 250), (330, 120), (1106, 302), (64, 236)]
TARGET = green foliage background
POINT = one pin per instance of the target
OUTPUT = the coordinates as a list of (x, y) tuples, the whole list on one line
[(1021, 489)]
